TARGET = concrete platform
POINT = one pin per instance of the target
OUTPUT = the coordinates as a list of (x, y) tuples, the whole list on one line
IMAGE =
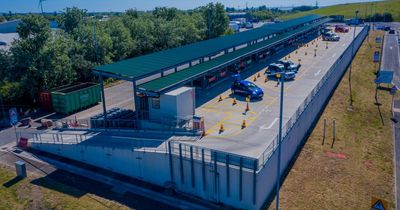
[(263, 118)]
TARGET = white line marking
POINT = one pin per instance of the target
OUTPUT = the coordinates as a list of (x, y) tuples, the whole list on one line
[(270, 126), (391, 48), (333, 55), (316, 74), (344, 44)]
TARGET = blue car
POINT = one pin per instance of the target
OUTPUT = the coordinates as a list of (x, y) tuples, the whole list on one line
[(246, 88)]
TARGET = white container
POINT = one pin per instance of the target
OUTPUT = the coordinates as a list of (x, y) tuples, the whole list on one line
[(179, 103)]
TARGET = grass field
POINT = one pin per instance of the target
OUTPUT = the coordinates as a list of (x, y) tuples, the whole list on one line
[(391, 6), (320, 181), (29, 194)]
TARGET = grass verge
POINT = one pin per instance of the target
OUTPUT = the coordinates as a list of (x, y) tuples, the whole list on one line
[(322, 181), (26, 195), (391, 6)]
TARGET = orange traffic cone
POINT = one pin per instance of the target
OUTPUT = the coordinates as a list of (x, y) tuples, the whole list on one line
[(305, 53), (289, 56), (234, 102), (247, 107), (220, 98), (258, 75), (244, 124), (221, 128), (266, 79), (254, 79)]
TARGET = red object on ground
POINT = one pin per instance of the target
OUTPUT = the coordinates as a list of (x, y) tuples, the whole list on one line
[(336, 155), (23, 142), (45, 100)]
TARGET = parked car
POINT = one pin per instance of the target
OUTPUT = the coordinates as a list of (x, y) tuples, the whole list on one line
[(387, 28), (246, 88), (290, 65), (341, 29), (2, 43), (330, 37), (274, 69), (325, 31), (391, 31), (249, 25)]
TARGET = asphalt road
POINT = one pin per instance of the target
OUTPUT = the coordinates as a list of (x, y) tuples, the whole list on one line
[(390, 59)]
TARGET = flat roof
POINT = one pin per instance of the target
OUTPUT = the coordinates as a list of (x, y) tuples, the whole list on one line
[(163, 83), (144, 65)]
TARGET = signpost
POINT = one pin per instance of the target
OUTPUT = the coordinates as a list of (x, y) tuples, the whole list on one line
[(376, 56)]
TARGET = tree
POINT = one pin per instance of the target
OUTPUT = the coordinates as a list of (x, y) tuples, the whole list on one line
[(166, 13), (71, 18), (35, 29), (122, 43), (216, 19)]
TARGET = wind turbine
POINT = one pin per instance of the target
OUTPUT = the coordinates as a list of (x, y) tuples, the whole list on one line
[(41, 5)]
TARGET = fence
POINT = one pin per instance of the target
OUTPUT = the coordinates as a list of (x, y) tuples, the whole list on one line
[(188, 125)]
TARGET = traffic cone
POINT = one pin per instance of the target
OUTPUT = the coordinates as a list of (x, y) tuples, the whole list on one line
[(266, 79), (234, 102), (254, 79), (285, 58), (289, 56), (258, 75), (305, 53), (221, 128), (247, 107), (244, 124), (220, 98), (316, 45), (296, 52)]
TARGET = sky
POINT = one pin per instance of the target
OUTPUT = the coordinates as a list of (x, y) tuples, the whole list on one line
[(122, 5)]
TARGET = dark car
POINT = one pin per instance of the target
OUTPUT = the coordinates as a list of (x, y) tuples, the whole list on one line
[(391, 31), (290, 65), (246, 88), (274, 69), (387, 28), (3, 43)]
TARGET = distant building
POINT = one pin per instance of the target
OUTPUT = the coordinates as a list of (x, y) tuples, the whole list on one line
[(337, 18), (240, 15)]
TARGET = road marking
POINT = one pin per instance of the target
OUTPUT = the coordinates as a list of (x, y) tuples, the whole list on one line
[(391, 48), (316, 74), (270, 125), (344, 44), (333, 55)]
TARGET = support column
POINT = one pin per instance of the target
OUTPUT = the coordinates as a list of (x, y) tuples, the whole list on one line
[(227, 176), (135, 101), (192, 166), (103, 97), (171, 166)]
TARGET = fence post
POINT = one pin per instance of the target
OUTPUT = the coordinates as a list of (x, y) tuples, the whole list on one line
[(334, 132), (323, 137)]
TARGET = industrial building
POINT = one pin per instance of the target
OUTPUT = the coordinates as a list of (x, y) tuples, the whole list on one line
[(187, 131)]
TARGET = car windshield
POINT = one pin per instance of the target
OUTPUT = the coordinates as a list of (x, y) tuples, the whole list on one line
[(251, 86)]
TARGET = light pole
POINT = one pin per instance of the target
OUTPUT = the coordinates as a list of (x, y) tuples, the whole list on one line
[(278, 165), (351, 65)]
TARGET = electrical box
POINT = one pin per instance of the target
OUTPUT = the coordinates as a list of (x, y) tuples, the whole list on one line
[(179, 103)]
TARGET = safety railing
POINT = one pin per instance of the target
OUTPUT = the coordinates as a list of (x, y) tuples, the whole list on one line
[(192, 125)]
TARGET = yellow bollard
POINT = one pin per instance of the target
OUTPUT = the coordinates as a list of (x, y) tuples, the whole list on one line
[(221, 128), (247, 99), (244, 124), (247, 107)]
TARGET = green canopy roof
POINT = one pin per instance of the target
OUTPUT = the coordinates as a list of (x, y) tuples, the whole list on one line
[(141, 66), (163, 83)]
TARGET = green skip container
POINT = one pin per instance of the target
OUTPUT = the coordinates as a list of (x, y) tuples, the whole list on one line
[(72, 98)]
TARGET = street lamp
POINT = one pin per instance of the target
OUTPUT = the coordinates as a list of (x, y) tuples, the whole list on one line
[(351, 65), (278, 165)]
